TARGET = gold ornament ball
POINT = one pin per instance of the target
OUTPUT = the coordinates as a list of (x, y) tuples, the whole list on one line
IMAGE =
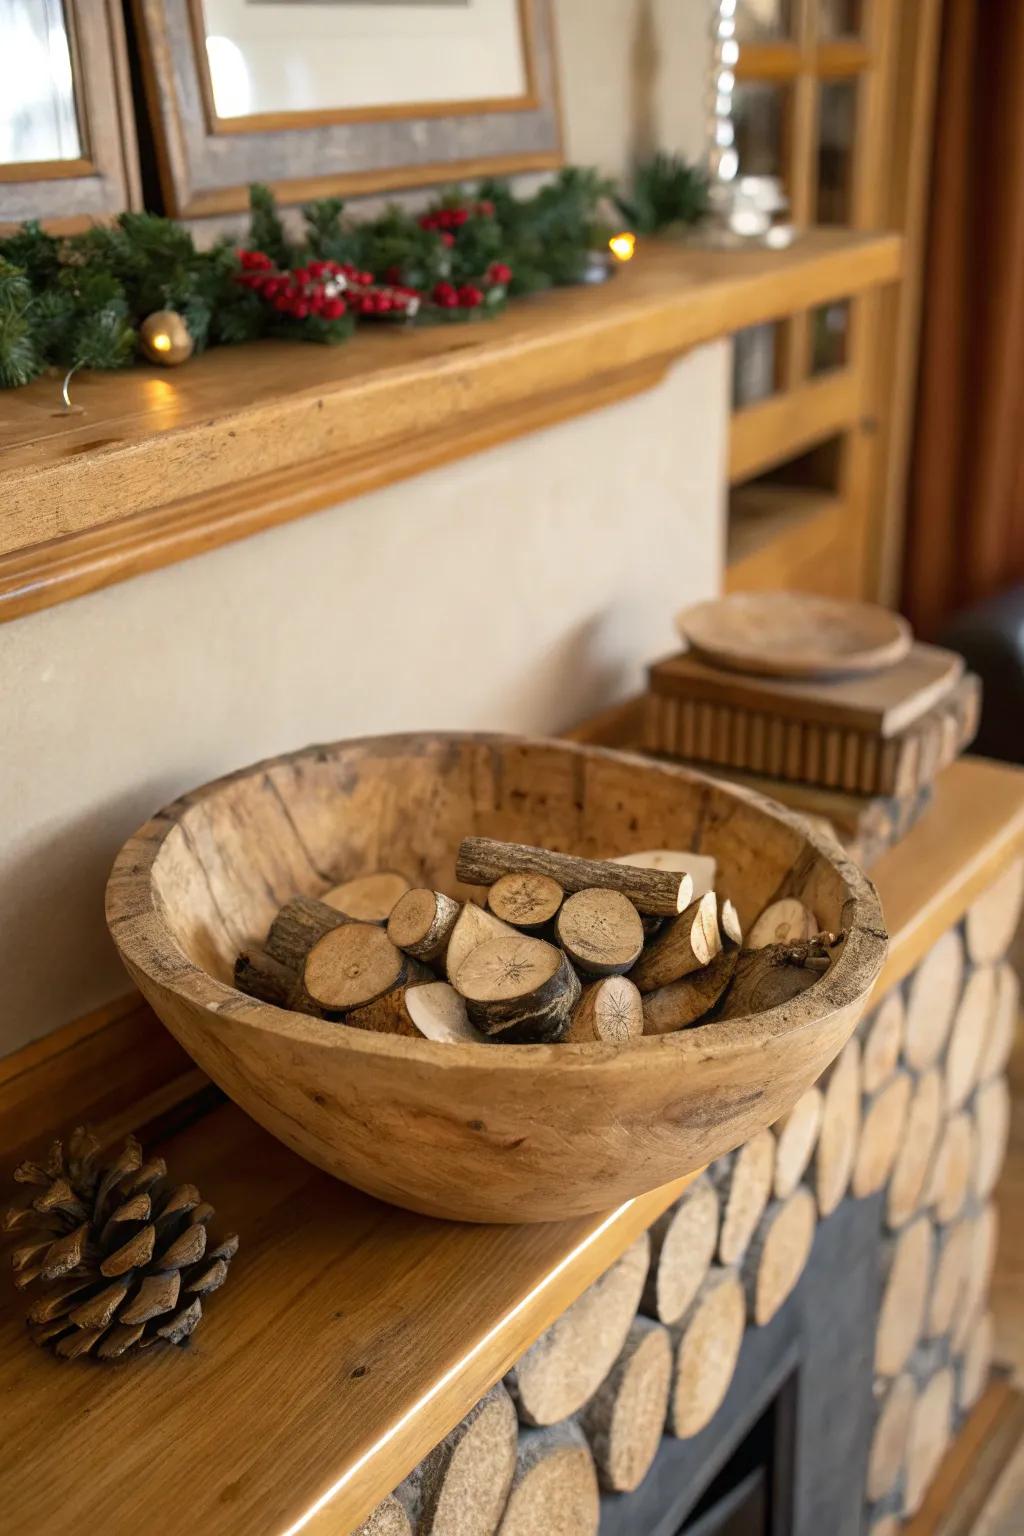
[(165, 338)]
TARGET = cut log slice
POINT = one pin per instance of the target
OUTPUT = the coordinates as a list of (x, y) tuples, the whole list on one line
[(991, 1135), (566, 1365), (473, 927), (744, 1182), (785, 922), (730, 925), (554, 1488), (932, 1000), (984, 1238), (888, 1450), (972, 1369), (528, 902), (954, 1256), (353, 965), (777, 1254), (914, 1158), (438, 1012), (707, 1342), (386, 1015), (660, 893), (388, 1519), (950, 1176), (683, 1243), (838, 1140), (931, 1429), (690, 1000), (688, 943), (296, 928), (796, 1136), (518, 989), (625, 1418), (611, 1010), (969, 1035), (904, 1298), (882, 1041), (368, 898), (994, 918), (701, 867), (769, 977), (1002, 1024), (460, 1489), (883, 1125), (600, 931), (422, 922)]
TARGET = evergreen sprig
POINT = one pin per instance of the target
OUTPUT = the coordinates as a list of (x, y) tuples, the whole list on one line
[(666, 191)]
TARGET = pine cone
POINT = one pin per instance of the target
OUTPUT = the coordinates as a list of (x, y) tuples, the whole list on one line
[(120, 1251)]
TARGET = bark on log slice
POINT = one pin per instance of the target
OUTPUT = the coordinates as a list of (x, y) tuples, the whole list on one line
[(1002, 1024), (297, 927), (931, 1429), (460, 1489), (796, 1136), (686, 944), (707, 1342), (566, 1365), (883, 1126), (839, 1137), (683, 1243), (991, 1135), (949, 1286), (969, 1035), (368, 898), (883, 1041), (353, 965), (686, 1002), (785, 922), (907, 1284), (625, 1418), (473, 926), (950, 1175), (984, 1240), (931, 1001), (661, 893), (611, 1010), (777, 1254), (260, 975), (518, 989), (528, 902), (386, 1015), (438, 1012), (914, 1158), (421, 923), (889, 1441), (701, 867), (776, 974), (993, 920), (600, 931), (971, 1371), (743, 1180), (554, 1489), (388, 1519)]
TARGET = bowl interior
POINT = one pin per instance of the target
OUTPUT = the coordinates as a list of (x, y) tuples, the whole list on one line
[(242, 846)]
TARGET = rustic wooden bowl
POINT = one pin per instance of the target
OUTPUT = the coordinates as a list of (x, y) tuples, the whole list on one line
[(504, 1133)]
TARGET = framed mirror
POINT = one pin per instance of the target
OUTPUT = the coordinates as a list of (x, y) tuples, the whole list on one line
[(344, 96), (67, 141)]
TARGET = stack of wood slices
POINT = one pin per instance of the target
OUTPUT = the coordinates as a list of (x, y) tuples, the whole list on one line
[(562, 949)]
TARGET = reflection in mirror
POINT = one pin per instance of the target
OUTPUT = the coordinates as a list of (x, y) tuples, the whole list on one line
[(38, 120)]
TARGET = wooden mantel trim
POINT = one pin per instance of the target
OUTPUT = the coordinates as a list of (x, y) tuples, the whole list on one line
[(160, 466)]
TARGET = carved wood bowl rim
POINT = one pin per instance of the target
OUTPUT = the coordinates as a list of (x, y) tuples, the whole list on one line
[(152, 953)]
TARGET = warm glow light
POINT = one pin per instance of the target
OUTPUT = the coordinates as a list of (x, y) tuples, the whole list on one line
[(161, 342), (622, 245)]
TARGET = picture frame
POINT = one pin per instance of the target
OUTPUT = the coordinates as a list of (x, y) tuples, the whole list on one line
[(206, 160), (102, 180)]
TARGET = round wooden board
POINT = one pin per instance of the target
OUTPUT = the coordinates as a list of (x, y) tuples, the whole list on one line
[(794, 634)]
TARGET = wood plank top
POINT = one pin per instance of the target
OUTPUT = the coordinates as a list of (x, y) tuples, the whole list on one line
[(350, 1335), (159, 465)]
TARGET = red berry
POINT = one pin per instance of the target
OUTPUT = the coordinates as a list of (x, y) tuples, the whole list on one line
[(460, 216), (300, 310), (301, 275), (384, 303), (272, 287), (498, 272), (447, 238), (470, 296), (282, 302), (333, 309), (486, 208), (443, 291)]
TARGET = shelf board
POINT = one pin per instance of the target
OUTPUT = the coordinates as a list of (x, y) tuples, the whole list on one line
[(163, 465), (788, 537), (765, 435)]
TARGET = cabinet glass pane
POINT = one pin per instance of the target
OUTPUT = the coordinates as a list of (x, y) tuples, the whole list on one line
[(839, 18), (830, 330), (754, 354), (761, 20), (38, 117), (837, 126), (758, 117)]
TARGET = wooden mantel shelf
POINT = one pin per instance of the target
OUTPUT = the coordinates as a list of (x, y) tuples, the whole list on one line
[(352, 1336), (160, 465)]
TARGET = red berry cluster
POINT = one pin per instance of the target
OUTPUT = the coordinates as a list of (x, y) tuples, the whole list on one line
[(397, 301), (310, 290), (445, 221)]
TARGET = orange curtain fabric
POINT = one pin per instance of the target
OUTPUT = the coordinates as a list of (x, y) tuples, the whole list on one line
[(965, 530)]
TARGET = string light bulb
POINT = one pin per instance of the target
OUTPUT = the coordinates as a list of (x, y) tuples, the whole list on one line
[(623, 245)]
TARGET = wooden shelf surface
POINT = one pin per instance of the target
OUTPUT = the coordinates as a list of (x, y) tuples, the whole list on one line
[(351, 1336), (160, 465), (791, 537)]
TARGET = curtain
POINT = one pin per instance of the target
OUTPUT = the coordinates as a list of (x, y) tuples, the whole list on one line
[(965, 527)]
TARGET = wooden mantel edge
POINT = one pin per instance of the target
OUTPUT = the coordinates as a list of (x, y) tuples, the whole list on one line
[(84, 511)]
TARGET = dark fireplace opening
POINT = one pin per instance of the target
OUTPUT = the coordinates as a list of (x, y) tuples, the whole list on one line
[(752, 1495)]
